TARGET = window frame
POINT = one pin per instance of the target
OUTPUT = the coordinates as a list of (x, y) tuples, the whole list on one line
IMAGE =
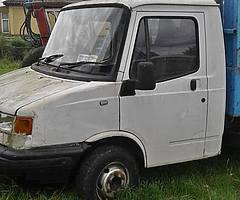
[(147, 40), (2, 20)]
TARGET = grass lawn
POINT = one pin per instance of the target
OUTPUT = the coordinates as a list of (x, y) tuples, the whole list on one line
[(6, 65), (212, 179)]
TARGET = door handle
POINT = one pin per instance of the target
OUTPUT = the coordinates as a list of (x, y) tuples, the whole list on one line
[(193, 85)]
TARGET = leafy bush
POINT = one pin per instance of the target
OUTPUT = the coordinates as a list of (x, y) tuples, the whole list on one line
[(13, 47), (18, 48), (18, 42), (3, 46)]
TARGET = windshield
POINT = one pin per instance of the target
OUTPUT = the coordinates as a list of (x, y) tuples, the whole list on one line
[(88, 40)]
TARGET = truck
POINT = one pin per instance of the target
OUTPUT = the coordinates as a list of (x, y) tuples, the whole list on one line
[(122, 86)]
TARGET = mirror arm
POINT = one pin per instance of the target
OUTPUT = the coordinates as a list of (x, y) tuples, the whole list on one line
[(128, 88)]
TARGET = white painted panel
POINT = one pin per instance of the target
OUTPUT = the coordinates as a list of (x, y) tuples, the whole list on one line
[(171, 120), (74, 115), (216, 81)]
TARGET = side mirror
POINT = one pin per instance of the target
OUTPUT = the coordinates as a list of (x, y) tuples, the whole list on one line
[(145, 76), (145, 80)]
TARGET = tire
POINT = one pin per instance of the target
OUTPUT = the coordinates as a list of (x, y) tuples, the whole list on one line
[(106, 167), (32, 56)]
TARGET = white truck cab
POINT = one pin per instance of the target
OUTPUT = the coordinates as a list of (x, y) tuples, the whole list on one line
[(122, 85)]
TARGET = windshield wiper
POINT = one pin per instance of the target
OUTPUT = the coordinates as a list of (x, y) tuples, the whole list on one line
[(71, 66), (50, 59), (77, 64)]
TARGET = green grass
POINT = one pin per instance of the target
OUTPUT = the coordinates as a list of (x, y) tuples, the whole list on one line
[(212, 179), (7, 65)]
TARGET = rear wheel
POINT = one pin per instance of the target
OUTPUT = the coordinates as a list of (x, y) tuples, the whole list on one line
[(108, 170)]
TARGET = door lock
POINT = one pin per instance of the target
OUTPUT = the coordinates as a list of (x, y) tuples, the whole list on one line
[(203, 100)]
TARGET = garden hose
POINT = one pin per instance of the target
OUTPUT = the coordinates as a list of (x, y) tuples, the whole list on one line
[(26, 31)]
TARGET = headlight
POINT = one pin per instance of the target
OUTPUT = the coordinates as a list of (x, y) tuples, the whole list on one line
[(16, 131), (6, 123)]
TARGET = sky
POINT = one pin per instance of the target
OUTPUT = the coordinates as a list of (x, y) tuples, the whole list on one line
[(1, 2)]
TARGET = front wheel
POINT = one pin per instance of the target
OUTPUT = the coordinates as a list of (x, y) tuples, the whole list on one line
[(108, 170)]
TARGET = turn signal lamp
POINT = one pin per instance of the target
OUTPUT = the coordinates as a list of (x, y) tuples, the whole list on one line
[(23, 125)]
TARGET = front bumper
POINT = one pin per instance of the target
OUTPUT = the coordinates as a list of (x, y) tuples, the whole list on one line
[(48, 164)]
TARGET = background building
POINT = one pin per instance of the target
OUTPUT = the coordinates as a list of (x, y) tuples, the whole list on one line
[(12, 15)]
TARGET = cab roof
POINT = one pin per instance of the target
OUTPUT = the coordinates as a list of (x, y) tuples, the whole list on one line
[(137, 3)]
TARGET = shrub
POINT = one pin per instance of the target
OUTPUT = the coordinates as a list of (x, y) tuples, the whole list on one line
[(18, 42), (18, 48), (13, 47), (3, 46)]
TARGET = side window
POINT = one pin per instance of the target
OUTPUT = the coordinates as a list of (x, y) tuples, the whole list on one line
[(171, 44), (140, 51)]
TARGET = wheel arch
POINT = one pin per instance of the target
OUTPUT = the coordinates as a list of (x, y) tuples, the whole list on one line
[(127, 140)]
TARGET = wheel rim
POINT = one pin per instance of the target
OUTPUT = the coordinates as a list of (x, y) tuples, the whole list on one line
[(113, 178)]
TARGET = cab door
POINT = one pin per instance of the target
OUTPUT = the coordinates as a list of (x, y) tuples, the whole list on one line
[(171, 119)]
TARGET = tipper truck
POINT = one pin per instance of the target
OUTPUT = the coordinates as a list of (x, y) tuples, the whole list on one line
[(124, 85)]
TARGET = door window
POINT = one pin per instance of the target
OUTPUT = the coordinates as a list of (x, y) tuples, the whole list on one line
[(171, 44)]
